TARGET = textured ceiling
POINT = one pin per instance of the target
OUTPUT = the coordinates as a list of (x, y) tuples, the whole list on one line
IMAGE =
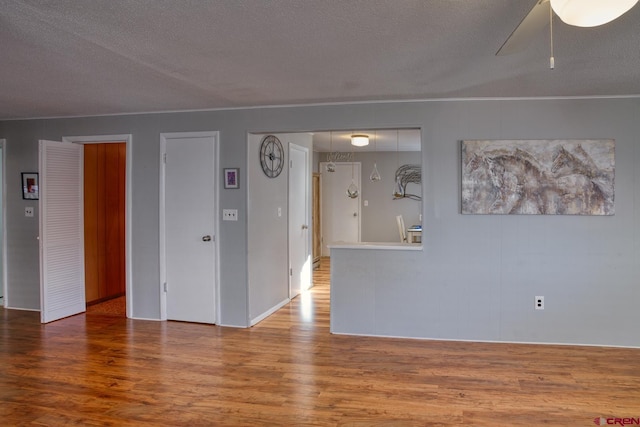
[(79, 57)]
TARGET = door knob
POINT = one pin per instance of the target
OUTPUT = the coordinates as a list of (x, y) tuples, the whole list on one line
[(355, 214), (304, 227), (206, 238)]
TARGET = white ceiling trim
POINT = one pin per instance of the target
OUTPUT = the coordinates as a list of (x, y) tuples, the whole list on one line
[(329, 104)]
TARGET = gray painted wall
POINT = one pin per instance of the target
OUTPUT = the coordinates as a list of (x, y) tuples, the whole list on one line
[(1, 219), (268, 243), (477, 276), (482, 272)]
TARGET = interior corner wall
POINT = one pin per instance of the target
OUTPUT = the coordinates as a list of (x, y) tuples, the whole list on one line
[(478, 274), (268, 259)]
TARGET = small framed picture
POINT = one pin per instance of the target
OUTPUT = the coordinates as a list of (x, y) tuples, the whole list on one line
[(30, 189), (231, 176)]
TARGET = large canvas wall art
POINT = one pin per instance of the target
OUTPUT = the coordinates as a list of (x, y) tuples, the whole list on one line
[(554, 177)]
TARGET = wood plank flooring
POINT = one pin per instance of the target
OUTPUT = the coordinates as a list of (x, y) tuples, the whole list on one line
[(93, 370), (112, 307)]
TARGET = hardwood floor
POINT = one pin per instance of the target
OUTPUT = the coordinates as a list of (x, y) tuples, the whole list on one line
[(290, 371), (112, 307)]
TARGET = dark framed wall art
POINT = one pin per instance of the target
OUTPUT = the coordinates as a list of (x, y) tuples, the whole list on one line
[(231, 176), (30, 188)]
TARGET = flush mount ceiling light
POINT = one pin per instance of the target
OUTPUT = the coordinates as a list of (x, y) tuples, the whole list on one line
[(590, 13), (359, 140)]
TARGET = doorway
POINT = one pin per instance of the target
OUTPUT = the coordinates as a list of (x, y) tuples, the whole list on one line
[(277, 271), (104, 227), (61, 226), (116, 167)]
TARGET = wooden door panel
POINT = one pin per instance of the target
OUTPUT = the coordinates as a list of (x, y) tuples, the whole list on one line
[(92, 279), (112, 237), (100, 219), (122, 186), (105, 172)]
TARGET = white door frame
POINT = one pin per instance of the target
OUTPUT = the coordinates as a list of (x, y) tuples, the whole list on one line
[(127, 139), (162, 236), (3, 233)]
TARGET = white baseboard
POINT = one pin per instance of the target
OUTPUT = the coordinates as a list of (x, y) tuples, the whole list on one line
[(226, 325), (486, 341), (269, 312), (23, 309)]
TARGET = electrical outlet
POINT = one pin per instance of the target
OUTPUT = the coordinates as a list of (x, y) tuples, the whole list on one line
[(229, 214), (28, 211), (539, 303)]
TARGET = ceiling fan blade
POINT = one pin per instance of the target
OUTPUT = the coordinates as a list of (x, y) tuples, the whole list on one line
[(533, 23)]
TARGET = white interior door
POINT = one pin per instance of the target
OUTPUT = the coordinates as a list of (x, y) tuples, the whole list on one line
[(188, 223), (61, 230), (299, 256), (340, 214)]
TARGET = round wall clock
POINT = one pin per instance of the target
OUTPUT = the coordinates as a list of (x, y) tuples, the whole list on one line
[(271, 156)]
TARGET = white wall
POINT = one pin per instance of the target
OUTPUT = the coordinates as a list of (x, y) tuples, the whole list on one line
[(477, 275)]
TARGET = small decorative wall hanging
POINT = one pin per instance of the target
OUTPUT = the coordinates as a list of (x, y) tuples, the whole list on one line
[(352, 190), (552, 177), (338, 156), (30, 188), (331, 165), (375, 175), (405, 175), (231, 178)]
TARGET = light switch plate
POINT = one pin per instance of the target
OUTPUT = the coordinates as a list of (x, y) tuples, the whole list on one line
[(28, 211)]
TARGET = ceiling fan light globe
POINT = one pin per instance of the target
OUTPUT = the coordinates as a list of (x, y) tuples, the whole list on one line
[(590, 13)]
